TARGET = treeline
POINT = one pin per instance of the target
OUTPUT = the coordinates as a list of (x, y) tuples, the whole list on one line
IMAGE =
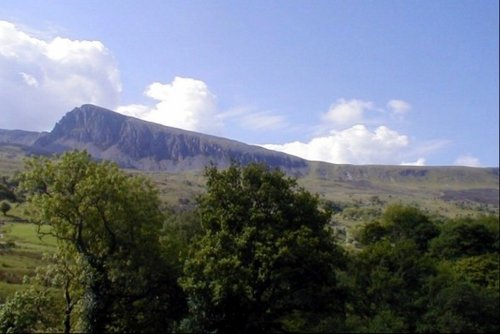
[(257, 255)]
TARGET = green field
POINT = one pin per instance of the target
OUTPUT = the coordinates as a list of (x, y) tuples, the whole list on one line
[(21, 251)]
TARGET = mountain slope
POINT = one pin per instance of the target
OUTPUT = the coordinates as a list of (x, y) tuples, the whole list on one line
[(133, 143), (155, 149), (412, 183), (19, 137)]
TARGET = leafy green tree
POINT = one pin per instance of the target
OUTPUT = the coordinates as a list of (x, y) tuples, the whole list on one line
[(6, 192), (386, 283), (466, 237), (457, 306), (109, 223), (266, 261), (179, 231), (37, 307), (406, 222), (372, 232), (482, 270), (26, 312), (399, 222), (464, 296), (5, 207)]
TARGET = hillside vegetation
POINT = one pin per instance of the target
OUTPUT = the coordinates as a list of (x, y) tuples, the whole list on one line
[(245, 249)]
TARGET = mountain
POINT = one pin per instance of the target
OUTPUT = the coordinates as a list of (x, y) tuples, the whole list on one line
[(156, 150), (134, 143), (19, 137)]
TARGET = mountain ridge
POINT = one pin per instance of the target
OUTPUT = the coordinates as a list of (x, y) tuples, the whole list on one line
[(152, 148), (135, 143)]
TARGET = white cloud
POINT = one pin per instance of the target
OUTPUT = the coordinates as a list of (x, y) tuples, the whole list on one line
[(43, 78), (346, 113), (133, 110), (467, 160), (355, 145), (419, 162), (398, 107), (369, 141), (188, 104), (184, 103)]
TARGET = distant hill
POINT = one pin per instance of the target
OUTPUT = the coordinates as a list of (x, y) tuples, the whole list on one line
[(20, 137), (156, 150)]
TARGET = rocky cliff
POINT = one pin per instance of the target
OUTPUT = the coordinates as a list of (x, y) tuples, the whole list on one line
[(133, 143)]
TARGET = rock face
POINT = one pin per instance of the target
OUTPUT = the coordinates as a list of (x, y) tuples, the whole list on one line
[(133, 143)]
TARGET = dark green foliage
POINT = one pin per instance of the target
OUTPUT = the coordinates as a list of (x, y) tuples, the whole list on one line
[(481, 270), (5, 207), (414, 277), (461, 307), (409, 223), (371, 233), (179, 231), (400, 223), (266, 261), (387, 281), (466, 237), (6, 193)]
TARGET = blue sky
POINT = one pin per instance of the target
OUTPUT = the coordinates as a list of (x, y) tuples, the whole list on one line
[(363, 82)]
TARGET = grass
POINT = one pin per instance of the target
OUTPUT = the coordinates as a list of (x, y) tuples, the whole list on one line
[(21, 251), (11, 159)]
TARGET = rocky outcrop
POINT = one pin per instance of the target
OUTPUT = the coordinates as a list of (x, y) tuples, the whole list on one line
[(134, 143)]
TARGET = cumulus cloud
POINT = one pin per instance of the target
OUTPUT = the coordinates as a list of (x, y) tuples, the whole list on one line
[(350, 135), (398, 107), (355, 145), (188, 103), (345, 113), (184, 103), (467, 160), (42, 78)]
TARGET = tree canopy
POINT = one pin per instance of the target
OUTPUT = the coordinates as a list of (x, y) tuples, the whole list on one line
[(109, 222), (266, 260)]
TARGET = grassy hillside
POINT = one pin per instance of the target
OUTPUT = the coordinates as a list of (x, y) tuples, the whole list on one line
[(447, 191), (21, 251), (11, 159), (450, 191)]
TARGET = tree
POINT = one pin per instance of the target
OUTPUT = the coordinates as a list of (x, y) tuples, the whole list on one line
[(109, 223), (6, 191), (482, 270), (5, 207), (266, 261), (466, 237), (371, 233), (409, 223), (399, 222), (24, 312), (387, 282), (460, 307)]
